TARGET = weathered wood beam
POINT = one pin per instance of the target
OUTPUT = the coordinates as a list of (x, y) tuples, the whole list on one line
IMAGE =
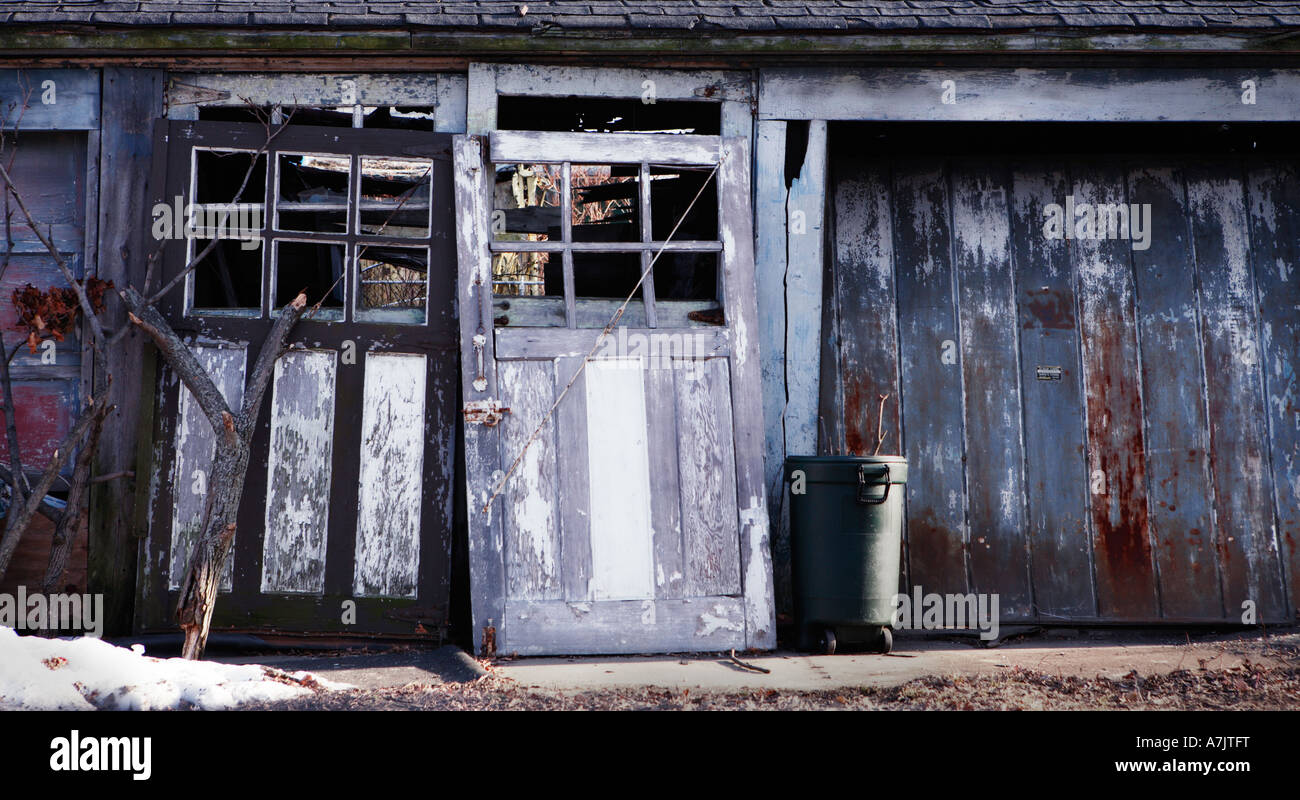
[(134, 99), (1098, 94)]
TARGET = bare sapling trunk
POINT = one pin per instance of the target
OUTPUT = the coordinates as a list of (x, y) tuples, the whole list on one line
[(65, 529), (234, 433), (30, 500)]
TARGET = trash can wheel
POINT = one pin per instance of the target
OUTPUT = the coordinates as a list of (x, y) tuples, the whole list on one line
[(885, 642), (827, 643)]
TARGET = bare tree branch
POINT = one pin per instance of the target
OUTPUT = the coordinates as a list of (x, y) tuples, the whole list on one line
[(20, 486), (87, 308), (65, 530), (48, 508), (191, 372), (19, 518)]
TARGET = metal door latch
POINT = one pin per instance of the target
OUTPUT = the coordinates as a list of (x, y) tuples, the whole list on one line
[(484, 412), (480, 382)]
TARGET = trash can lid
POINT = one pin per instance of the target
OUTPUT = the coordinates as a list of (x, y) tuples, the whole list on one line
[(844, 469)]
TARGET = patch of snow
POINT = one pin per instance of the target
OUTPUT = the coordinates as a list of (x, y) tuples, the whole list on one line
[(88, 673)]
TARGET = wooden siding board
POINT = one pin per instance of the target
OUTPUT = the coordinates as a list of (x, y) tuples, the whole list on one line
[(1274, 207), (707, 469), (1126, 586), (450, 113), (73, 105), (769, 276), (43, 415), (991, 384), (930, 378), (531, 517), (805, 212), (1055, 467), (736, 232), (1180, 496), (1100, 94), (1239, 455), (866, 308)]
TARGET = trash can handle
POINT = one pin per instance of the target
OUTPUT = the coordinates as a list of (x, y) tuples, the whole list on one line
[(863, 497)]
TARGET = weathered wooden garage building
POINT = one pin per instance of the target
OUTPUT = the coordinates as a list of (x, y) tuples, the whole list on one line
[(1057, 242)]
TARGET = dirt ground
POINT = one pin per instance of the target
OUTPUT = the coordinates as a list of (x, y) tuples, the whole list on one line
[(1266, 677)]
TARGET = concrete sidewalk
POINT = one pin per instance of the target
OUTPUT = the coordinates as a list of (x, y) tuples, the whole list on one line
[(1084, 656), (1110, 654), (379, 670)]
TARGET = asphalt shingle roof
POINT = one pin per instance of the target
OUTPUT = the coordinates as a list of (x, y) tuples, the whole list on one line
[(685, 15)]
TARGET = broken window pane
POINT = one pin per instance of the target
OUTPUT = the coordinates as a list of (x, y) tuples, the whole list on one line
[(526, 203), (220, 174), (394, 283), (228, 280), (312, 193), (605, 203), (316, 268), (671, 191), (410, 118), (609, 275), (527, 274), (686, 276), (395, 197), (528, 289)]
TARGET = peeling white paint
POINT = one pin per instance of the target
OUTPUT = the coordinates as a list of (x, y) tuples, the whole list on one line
[(710, 622), (299, 472), (391, 476)]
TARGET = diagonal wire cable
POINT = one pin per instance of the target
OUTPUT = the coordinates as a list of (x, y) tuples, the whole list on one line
[(609, 326)]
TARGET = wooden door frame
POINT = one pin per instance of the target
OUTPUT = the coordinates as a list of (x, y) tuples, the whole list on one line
[(472, 166)]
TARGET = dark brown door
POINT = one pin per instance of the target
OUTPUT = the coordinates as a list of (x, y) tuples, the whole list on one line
[(345, 523)]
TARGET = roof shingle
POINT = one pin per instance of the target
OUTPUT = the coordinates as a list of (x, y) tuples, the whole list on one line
[(737, 16)]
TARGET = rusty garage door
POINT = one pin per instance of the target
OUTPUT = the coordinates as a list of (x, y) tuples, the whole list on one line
[(1089, 360), (345, 523)]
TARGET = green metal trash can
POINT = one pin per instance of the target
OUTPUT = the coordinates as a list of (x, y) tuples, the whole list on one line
[(846, 534)]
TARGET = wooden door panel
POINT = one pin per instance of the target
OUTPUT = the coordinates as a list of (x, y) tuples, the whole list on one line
[(707, 466), (530, 513), (194, 447), (299, 473), (666, 513), (618, 470), (391, 470), (554, 627)]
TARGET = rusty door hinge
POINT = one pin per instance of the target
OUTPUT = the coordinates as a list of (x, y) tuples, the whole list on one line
[(484, 412), (185, 94)]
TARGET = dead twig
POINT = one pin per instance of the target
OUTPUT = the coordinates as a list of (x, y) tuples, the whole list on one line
[(746, 665), (880, 425)]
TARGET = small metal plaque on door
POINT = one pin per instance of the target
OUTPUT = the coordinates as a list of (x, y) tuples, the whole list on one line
[(1049, 373)]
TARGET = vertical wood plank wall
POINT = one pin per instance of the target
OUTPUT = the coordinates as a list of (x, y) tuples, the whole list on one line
[(1155, 477)]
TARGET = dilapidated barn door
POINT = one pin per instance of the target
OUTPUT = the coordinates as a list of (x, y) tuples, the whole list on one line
[(345, 521), (630, 514), (1090, 361)]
